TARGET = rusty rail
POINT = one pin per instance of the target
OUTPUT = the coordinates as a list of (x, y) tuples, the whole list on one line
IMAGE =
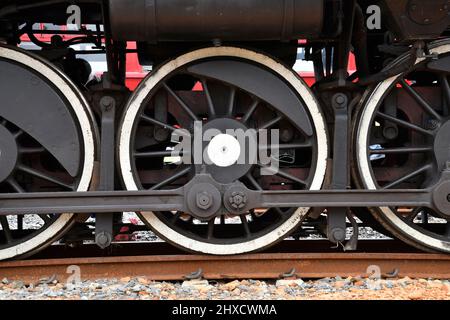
[(256, 266)]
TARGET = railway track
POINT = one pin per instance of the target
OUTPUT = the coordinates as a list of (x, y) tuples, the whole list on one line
[(162, 262)]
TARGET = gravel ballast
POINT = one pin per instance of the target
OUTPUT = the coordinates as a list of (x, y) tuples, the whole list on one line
[(143, 289)]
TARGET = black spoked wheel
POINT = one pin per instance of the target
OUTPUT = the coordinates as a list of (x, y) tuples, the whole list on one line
[(46, 144), (219, 89), (402, 143)]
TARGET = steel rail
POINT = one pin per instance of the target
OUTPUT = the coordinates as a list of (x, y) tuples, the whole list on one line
[(249, 266)]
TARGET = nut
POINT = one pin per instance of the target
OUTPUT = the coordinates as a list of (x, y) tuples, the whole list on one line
[(204, 200), (238, 200)]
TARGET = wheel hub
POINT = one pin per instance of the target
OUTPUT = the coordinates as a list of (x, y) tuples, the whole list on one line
[(225, 151), (8, 153)]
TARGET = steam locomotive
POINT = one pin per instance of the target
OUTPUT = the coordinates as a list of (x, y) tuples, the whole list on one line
[(365, 145)]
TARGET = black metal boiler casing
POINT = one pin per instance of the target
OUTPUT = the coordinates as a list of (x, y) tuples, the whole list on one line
[(203, 20)]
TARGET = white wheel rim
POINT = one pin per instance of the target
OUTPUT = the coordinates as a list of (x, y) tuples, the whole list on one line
[(79, 106), (364, 165), (127, 127)]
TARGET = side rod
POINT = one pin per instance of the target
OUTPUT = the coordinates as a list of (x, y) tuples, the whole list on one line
[(174, 200)]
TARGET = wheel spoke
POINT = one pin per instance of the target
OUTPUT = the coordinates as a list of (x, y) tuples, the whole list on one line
[(254, 182), (6, 230), (410, 217), (171, 179), (211, 225), (15, 185), (211, 108), (405, 124), (271, 123), (250, 111), (407, 177), (45, 218), (283, 174), (43, 176), (245, 225), (180, 101), (402, 150), (258, 187), (424, 217), (20, 222), (157, 123), (420, 100), (176, 216), (287, 146), (231, 102), (155, 154)]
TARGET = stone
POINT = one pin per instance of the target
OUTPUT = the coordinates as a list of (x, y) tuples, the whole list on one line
[(359, 283), (195, 284), (446, 287), (137, 288), (125, 279), (94, 286), (143, 281), (17, 284), (289, 283), (436, 285), (416, 295), (423, 281), (236, 292), (231, 285)]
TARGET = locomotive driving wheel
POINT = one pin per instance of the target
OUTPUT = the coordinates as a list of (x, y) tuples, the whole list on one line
[(223, 89), (46, 144), (402, 142)]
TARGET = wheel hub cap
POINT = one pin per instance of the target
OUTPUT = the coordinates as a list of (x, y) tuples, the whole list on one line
[(224, 150)]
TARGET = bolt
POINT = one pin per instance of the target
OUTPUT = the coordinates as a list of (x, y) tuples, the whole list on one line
[(390, 132), (204, 200), (340, 99), (338, 234), (433, 124), (103, 239), (107, 102), (238, 200)]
